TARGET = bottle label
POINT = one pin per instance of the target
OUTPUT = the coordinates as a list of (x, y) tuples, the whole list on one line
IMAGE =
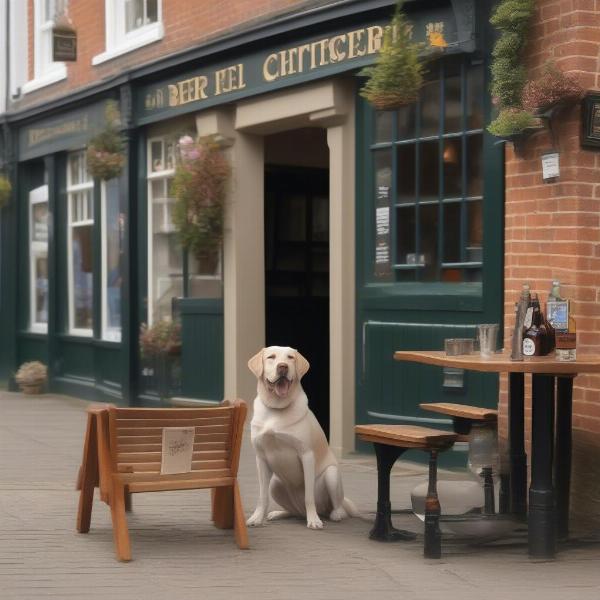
[(528, 347), (528, 317)]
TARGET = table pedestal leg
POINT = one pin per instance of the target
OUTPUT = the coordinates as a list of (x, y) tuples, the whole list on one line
[(563, 449), (542, 524), (516, 436), (383, 530)]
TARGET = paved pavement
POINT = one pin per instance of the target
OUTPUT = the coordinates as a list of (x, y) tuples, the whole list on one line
[(179, 554)]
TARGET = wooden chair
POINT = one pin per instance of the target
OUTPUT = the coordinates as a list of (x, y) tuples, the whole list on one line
[(390, 442), (124, 457)]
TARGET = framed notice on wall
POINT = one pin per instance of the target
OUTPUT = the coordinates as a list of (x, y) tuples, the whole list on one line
[(590, 134)]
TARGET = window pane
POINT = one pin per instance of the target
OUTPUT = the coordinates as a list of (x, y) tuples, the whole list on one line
[(452, 168), (383, 177), (407, 117), (41, 289), (383, 198), (428, 215), (430, 109), (452, 91), (383, 126), (156, 157), (405, 235), (151, 11), (475, 97), (75, 168), (406, 172), (475, 165), (475, 230), (429, 175), (113, 227), (82, 276), (452, 232), (320, 219), (39, 225), (134, 14)]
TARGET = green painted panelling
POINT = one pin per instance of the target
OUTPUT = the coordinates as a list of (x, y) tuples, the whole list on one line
[(107, 365), (202, 349), (30, 348), (76, 358)]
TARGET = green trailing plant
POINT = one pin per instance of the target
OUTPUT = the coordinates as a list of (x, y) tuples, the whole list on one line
[(105, 156), (199, 188), (5, 190), (397, 75), (551, 88), (161, 338), (511, 122), (511, 18)]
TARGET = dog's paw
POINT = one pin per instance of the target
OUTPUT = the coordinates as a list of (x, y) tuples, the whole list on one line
[(257, 519), (275, 515), (338, 514), (313, 522)]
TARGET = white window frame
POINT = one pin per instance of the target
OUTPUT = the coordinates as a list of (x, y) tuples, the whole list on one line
[(45, 70), (153, 176), (36, 249), (109, 334), (71, 190), (117, 41)]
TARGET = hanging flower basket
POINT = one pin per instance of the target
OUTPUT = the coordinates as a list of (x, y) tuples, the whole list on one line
[(105, 157), (5, 190), (199, 188), (551, 92), (514, 124), (162, 338), (397, 76)]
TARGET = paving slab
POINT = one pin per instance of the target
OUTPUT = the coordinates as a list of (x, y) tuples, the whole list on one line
[(179, 554)]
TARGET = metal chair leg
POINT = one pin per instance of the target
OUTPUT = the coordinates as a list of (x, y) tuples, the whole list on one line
[(433, 534)]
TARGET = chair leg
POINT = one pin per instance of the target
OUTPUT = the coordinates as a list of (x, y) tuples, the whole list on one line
[(240, 531), (222, 512), (119, 522), (87, 478), (128, 504), (433, 535), (382, 530)]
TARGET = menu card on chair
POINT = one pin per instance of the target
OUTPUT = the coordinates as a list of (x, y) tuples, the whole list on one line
[(177, 450)]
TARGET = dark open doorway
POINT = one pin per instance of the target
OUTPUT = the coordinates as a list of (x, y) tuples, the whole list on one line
[(297, 254)]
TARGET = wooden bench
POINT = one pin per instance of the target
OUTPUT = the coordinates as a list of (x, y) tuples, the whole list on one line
[(122, 455), (390, 442)]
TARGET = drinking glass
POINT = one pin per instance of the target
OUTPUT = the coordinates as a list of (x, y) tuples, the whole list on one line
[(487, 335)]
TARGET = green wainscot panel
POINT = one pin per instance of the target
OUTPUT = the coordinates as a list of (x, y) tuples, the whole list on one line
[(202, 348)]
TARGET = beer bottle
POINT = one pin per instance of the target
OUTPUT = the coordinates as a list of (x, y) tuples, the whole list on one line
[(534, 340)]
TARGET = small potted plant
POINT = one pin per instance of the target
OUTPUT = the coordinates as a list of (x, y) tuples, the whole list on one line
[(551, 92), (5, 190), (397, 76), (32, 377), (199, 188), (105, 158), (160, 348)]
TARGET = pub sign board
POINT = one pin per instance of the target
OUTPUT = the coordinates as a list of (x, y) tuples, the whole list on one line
[(64, 44), (590, 135)]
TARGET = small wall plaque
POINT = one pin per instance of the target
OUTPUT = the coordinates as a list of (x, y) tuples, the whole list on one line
[(64, 41), (590, 135)]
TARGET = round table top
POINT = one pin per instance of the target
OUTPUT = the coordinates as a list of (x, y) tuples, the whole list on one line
[(502, 363)]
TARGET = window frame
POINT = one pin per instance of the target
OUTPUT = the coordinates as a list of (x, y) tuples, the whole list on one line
[(109, 334), (71, 191), (117, 41), (45, 70), (395, 203), (37, 248)]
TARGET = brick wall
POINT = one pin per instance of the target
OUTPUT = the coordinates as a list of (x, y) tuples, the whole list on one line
[(553, 230), (187, 24)]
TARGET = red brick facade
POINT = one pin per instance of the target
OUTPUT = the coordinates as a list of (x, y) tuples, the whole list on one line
[(187, 23), (552, 231)]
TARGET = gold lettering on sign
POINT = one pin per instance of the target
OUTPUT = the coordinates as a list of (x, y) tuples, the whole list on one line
[(374, 39), (43, 134), (336, 45), (268, 73), (188, 90), (229, 79), (354, 41)]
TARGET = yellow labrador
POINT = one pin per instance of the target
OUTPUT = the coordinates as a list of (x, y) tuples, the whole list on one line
[(296, 467)]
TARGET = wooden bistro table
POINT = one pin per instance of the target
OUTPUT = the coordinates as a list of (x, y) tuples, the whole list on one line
[(550, 434)]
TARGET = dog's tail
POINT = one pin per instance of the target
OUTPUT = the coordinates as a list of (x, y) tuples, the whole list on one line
[(350, 508)]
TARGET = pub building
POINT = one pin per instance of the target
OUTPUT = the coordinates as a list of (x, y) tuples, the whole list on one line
[(349, 233)]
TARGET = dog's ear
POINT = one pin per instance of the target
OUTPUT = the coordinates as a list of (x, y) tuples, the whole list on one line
[(302, 365), (255, 364)]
